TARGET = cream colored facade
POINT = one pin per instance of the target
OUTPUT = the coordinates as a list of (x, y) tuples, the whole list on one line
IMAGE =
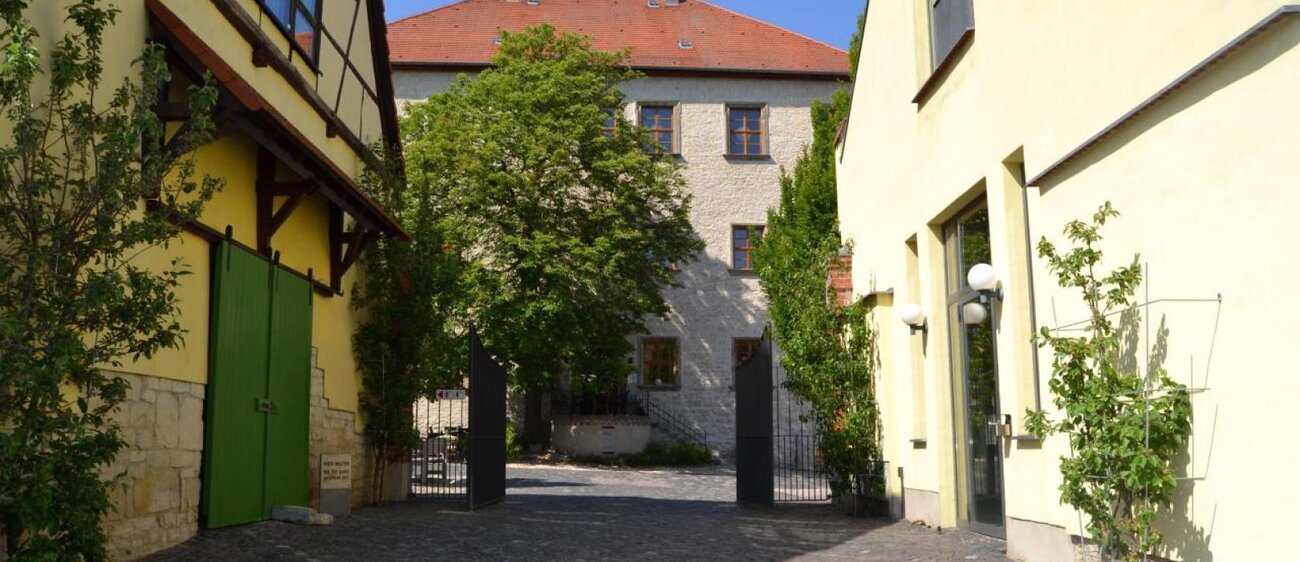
[(1179, 113)]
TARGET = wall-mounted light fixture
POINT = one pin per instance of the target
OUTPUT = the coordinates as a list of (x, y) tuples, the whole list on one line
[(974, 313), (984, 279), (912, 315)]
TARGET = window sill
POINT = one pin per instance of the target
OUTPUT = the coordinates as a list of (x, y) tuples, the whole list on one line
[(941, 72), (749, 157), (653, 387), (742, 273)]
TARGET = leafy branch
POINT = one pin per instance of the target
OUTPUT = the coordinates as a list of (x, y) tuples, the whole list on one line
[(1125, 430)]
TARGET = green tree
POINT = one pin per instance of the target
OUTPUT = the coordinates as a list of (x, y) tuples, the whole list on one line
[(409, 344), (72, 299), (828, 350), (566, 234), (855, 43), (1126, 430)]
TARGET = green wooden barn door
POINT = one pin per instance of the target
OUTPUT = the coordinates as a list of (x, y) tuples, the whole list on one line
[(289, 388), (259, 390), (235, 454)]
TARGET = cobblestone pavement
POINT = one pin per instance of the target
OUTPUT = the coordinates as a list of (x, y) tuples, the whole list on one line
[(584, 514)]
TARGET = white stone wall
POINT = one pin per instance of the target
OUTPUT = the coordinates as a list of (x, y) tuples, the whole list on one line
[(715, 305)]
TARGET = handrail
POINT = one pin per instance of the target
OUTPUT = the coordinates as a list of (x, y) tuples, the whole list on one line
[(675, 425)]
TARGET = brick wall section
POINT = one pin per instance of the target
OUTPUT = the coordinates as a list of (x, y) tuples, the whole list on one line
[(335, 432), (841, 279), (158, 506)]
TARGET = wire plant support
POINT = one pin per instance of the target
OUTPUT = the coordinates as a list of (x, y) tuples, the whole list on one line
[(1094, 552)]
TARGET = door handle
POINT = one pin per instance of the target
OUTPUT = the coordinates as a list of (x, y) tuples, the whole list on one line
[(266, 406), (1000, 427)]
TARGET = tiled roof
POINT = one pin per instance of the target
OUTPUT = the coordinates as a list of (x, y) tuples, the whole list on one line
[(463, 34)]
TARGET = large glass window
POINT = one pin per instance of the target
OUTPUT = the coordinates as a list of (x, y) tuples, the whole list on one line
[(659, 362), (300, 20), (975, 373)]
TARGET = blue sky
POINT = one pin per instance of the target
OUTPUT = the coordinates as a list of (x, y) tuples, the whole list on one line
[(830, 21)]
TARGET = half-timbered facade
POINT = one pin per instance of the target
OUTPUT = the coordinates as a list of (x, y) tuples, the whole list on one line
[(236, 420)]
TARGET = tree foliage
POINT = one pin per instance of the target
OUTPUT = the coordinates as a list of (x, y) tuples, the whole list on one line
[(855, 42), (1126, 430), (73, 300), (409, 344), (828, 350), (565, 234)]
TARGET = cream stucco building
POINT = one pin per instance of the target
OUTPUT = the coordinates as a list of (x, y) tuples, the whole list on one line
[(708, 72), (994, 123)]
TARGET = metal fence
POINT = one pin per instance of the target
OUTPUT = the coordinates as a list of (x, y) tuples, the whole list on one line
[(439, 464), (798, 472)]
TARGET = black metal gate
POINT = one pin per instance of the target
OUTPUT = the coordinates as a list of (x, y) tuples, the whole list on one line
[(754, 452), (461, 456), (799, 475), (439, 464), (487, 417), (778, 459)]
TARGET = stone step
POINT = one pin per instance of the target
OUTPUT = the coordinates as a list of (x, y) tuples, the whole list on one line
[(300, 515)]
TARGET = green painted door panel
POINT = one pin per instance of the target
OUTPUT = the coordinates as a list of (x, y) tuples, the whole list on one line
[(235, 452), (290, 390)]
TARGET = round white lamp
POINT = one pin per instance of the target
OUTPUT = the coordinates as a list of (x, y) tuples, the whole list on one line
[(912, 315), (982, 277), (974, 313)]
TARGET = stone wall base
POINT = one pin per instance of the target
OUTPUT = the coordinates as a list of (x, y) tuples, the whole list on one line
[(335, 432), (158, 505)]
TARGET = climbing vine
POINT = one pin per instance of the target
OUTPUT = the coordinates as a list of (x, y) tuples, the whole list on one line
[(1125, 430)]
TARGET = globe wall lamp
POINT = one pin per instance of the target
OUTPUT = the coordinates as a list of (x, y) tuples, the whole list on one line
[(974, 313), (984, 279), (912, 315)]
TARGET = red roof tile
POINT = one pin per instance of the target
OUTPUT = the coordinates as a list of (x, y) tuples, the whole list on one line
[(462, 34)]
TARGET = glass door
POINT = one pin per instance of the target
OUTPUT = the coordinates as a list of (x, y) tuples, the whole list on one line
[(975, 375)]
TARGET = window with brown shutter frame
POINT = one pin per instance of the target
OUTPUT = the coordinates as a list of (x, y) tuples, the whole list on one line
[(659, 362)]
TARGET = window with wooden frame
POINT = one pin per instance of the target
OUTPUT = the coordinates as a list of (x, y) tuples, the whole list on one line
[(659, 362), (300, 22), (611, 123), (747, 130), (743, 238), (660, 120), (742, 349)]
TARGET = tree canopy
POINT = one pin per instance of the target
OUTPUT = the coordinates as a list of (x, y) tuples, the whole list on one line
[(567, 232)]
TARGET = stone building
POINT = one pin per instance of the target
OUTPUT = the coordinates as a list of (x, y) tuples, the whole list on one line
[(980, 128), (729, 96), (235, 421)]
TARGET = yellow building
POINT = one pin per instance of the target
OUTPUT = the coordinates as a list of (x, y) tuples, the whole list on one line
[(236, 421), (978, 128)]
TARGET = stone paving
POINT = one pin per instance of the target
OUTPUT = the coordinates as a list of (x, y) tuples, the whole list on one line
[(584, 514)]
